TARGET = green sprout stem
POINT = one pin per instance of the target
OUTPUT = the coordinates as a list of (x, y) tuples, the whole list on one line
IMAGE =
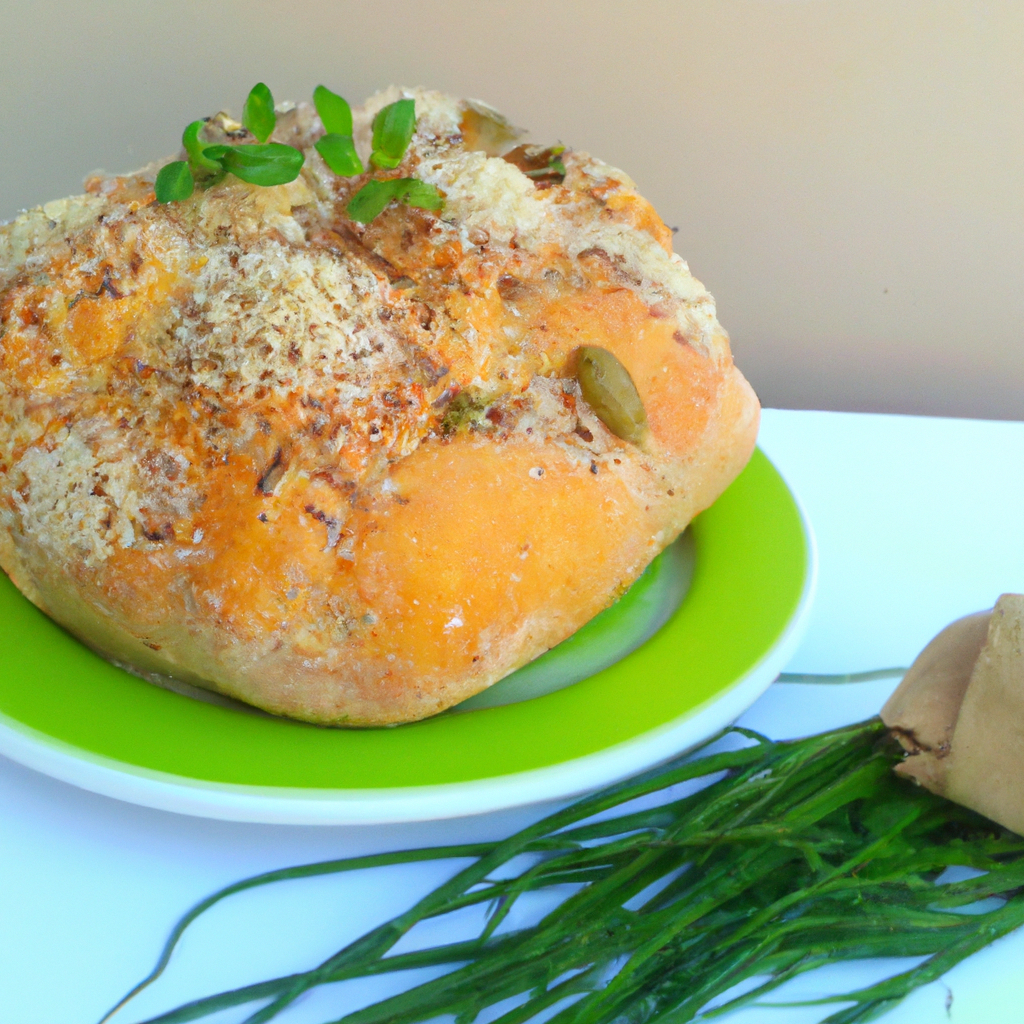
[(844, 677)]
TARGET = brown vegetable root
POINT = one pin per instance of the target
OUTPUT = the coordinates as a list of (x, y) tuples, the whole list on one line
[(959, 713)]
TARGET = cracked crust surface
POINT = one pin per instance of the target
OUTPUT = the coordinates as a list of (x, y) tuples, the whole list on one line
[(345, 473)]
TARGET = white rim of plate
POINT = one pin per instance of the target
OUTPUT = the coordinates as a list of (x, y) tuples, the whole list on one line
[(296, 806)]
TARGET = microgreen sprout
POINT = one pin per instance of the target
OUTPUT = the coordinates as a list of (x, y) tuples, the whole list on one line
[(339, 153), (174, 182), (273, 163), (556, 163), (265, 163), (335, 113), (336, 146), (200, 164), (553, 166), (393, 126), (258, 114), (375, 195)]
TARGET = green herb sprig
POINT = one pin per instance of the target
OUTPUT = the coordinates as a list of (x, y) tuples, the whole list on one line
[(554, 166), (393, 126), (336, 147), (258, 113), (392, 132), (265, 163), (272, 163), (375, 195), (796, 855)]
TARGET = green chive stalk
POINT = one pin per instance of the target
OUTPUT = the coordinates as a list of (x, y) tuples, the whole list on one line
[(792, 856)]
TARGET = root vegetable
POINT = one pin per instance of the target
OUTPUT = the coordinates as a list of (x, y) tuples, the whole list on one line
[(959, 713)]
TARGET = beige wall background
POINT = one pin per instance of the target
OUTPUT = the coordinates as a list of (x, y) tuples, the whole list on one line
[(847, 176)]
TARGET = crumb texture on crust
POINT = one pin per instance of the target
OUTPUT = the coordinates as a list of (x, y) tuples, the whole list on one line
[(345, 472)]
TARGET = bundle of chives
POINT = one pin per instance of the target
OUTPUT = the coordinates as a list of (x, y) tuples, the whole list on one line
[(794, 855)]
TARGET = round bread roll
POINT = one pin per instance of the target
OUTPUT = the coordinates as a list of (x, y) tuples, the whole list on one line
[(349, 473)]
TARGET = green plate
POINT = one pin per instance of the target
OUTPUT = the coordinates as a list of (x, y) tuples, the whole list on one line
[(67, 712)]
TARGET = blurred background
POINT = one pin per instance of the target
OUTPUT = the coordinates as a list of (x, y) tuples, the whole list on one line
[(847, 176)]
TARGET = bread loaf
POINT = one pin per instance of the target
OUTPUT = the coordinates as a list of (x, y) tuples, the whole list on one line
[(347, 472)]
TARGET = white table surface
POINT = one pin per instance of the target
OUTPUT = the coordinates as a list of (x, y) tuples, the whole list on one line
[(918, 521)]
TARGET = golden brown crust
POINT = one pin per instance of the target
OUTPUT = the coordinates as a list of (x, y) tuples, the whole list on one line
[(345, 473)]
